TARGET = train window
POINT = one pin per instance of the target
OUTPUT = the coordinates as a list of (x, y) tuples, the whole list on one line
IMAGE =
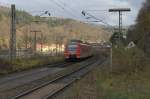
[(72, 47)]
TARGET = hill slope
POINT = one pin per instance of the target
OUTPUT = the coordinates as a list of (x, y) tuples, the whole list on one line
[(53, 29), (140, 32)]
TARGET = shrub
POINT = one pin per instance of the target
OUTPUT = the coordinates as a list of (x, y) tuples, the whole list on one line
[(128, 61), (17, 65)]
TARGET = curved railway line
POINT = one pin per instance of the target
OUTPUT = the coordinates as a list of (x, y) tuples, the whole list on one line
[(49, 89), (29, 73), (16, 81)]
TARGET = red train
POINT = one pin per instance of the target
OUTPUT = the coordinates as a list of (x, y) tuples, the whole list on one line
[(77, 50)]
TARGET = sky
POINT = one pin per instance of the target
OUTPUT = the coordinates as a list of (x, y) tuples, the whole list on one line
[(73, 9)]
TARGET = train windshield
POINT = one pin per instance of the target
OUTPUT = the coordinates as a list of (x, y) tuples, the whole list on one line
[(72, 47)]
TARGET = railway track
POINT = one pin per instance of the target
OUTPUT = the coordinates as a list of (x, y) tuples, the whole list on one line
[(51, 88), (16, 76), (17, 80), (15, 84)]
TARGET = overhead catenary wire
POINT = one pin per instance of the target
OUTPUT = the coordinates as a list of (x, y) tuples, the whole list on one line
[(97, 19), (70, 8), (63, 6), (97, 10), (64, 9)]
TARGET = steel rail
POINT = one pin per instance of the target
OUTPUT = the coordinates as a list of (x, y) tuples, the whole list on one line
[(29, 92)]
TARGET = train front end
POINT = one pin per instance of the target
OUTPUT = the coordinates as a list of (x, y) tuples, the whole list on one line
[(72, 51)]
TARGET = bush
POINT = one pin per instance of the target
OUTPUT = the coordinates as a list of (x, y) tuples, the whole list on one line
[(38, 61), (17, 65), (128, 61)]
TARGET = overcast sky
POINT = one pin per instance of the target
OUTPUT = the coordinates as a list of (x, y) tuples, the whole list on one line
[(73, 8)]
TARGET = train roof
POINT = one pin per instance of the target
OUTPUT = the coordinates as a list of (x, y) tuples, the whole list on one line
[(76, 41)]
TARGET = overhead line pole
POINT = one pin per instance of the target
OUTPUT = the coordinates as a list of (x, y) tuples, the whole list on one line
[(120, 11), (13, 33), (35, 39), (99, 20), (41, 42)]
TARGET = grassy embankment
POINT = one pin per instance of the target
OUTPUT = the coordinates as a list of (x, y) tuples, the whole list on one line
[(128, 79), (17, 65)]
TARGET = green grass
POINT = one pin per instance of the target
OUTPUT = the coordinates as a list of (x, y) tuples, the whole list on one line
[(129, 78), (127, 61), (112, 86)]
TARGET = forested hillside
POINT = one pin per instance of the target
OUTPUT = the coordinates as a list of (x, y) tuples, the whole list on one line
[(140, 32), (53, 30)]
